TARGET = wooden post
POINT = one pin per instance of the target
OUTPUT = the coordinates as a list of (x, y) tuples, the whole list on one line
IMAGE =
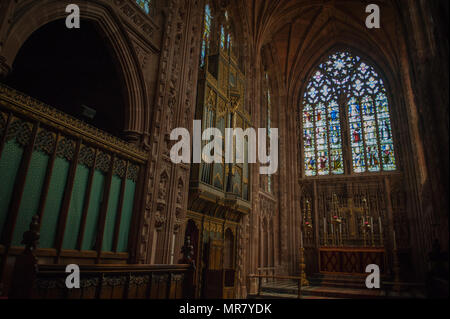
[(259, 285), (189, 287), (25, 268)]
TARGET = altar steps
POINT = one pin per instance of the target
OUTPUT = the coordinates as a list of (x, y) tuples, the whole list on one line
[(338, 281), (334, 286), (322, 286)]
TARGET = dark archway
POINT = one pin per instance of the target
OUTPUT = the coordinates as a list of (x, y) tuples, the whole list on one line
[(72, 69), (228, 254), (193, 233)]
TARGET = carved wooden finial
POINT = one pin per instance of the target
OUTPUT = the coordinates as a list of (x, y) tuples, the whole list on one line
[(188, 252), (32, 235)]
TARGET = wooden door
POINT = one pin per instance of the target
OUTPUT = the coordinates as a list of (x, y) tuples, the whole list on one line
[(213, 272)]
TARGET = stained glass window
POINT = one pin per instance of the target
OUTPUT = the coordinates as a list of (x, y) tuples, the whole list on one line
[(206, 35), (223, 38), (144, 4), (267, 117), (344, 78)]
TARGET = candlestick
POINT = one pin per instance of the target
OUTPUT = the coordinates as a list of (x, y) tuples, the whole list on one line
[(332, 233), (304, 281), (395, 243), (381, 231), (301, 241), (364, 229), (371, 231)]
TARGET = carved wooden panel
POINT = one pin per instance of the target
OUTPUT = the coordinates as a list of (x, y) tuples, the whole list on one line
[(353, 261)]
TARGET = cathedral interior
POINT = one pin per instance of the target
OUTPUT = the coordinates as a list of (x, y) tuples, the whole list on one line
[(86, 115)]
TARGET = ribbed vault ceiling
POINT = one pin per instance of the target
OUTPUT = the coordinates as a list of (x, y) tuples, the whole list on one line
[(296, 33)]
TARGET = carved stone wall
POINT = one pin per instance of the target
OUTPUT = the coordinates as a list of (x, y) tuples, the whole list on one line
[(168, 183)]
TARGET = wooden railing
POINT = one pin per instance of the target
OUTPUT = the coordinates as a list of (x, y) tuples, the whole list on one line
[(269, 271), (104, 281), (298, 279), (31, 280), (84, 184)]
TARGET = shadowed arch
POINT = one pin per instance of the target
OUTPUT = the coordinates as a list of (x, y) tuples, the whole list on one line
[(42, 13)]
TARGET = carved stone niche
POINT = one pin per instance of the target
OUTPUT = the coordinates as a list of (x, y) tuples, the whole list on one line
[(160, 206), (162, 190), (167, 143), (179, 199), (179, 220), (160, 220)]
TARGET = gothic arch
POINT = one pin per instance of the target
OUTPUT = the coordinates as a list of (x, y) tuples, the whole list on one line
[(379, 63), (381, 66), (41, 13)]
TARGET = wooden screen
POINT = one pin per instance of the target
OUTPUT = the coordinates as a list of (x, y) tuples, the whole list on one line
[(80, 181)]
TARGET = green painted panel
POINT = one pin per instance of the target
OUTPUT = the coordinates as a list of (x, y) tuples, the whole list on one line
[(76, 208), (127, 212), (111, 215), (31, 195), (9, 165), (95, 203), (53, 202)]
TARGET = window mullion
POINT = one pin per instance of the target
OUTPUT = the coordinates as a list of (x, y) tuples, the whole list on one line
[(363, 132), (345, 138), (328, 139), (315, 140), (380, 162)]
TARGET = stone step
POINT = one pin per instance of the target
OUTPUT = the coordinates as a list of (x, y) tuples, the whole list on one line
[(323, 286), (323, 292), (267, 295), (343, 284), (281, 288), (338, 282), (342, 293)]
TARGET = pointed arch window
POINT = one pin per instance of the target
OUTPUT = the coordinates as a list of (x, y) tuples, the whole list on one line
[(346, 94)]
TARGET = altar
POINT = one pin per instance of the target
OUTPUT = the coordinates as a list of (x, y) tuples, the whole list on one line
[(350, 235)]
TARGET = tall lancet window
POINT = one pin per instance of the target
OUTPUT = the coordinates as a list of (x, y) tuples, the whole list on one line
[(206, 35), (268, 125), (346, 94)]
